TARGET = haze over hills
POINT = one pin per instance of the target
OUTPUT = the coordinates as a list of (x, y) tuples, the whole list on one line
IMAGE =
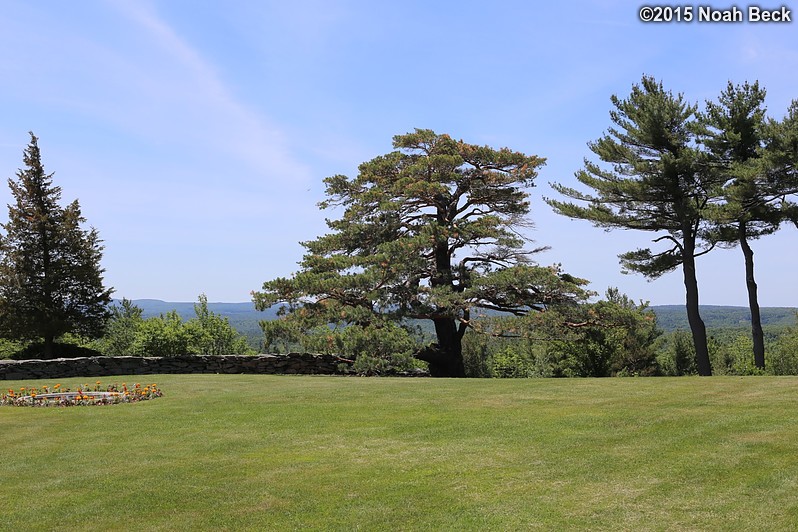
[(245, 318), (671, 317), (155, 307)]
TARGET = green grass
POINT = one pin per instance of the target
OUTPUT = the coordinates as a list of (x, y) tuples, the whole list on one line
[(234, 452)]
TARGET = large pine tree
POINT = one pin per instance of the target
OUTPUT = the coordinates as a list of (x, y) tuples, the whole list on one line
[(51, 281), (428, 232)]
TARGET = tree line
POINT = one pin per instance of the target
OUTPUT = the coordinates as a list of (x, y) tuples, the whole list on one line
[(433, 232)]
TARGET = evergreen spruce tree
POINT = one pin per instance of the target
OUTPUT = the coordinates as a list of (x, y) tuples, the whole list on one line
[(50, 276)]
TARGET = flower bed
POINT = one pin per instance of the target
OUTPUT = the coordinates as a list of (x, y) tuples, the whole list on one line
[(82, 396)]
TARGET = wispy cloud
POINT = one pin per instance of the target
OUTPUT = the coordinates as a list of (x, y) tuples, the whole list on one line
[(191, 89)]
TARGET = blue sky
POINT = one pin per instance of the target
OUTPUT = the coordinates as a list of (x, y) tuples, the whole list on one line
[(196, 134)]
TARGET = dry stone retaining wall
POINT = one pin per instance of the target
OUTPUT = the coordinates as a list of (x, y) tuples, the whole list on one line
[(292, 363)]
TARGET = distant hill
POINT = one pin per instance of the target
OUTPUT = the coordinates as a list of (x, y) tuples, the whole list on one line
[(155, 307), (672, 317)]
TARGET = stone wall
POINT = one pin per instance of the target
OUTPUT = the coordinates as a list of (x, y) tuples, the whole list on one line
[(292, 363)]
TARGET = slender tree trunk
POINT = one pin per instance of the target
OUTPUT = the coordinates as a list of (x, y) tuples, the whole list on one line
[(757, 334), (697, 326)]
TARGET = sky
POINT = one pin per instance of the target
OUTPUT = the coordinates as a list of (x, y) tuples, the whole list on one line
[(196, 134)]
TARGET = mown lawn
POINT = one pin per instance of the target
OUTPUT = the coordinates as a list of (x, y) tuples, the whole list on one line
[(237, 452)]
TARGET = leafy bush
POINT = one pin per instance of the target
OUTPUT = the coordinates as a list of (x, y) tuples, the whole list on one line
[(615, 336), (513, 363), (163, 336), (122, 330), (8, 348), (167, 335), (733, 357), (477, 355), (211, 334), (783, 355), (676, 354)]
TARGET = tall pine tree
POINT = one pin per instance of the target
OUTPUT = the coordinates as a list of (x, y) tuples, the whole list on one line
[(738, 140), (654, 179), (51, 281)]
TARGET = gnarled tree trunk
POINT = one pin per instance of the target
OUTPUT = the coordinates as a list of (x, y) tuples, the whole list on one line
[(445, 358)]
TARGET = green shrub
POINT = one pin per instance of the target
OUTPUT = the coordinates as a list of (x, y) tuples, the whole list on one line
[(8, 348), (477, 355), (782, 358), (207, 333), (676, 354), (513, 363)]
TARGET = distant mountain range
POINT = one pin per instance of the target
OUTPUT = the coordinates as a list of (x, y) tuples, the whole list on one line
[(245, 318), (671, 317), (155, 307)]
